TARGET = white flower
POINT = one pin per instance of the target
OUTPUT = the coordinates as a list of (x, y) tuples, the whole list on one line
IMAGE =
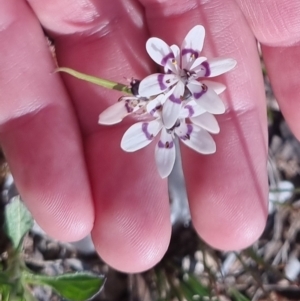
[(195, 135), (183, 66), (125, 106), (181, 102)]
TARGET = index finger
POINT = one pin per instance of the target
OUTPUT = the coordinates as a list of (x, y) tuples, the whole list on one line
[(38, 128)]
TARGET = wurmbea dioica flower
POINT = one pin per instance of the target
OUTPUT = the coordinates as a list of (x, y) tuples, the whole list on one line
[(180, 102), (183, 67)]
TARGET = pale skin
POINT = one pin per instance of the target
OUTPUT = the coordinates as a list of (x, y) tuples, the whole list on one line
[(72, 173)]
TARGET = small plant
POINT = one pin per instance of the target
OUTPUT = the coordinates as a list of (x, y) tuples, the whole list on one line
[(16, 279)]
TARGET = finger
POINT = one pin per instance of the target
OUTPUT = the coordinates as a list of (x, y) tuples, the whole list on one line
[(107, 39), (228, 190), (276, 26), (38, 129), (284, 73), (132, 229), (275, 23)]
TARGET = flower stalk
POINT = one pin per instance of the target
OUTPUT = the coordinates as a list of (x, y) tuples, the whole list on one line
[(96, 80)]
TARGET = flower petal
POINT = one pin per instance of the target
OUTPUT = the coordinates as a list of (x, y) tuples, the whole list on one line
[(176, 51), (215, 67), (197, 64), (191, 109), (140, 135), (175, 68), (196, 138), (207, 98), (217, 87), (192, 45), (165, 154), (115, 113), (161, 53), (207, 121), (156, 83), (172, 106), (154, 107)]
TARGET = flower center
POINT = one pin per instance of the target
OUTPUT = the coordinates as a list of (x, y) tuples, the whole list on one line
[(186, 75)]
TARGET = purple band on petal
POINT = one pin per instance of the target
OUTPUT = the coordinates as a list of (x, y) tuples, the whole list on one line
[(171, 144), (190, 51), (160, 144), (199, 94), (161, 83), (166, 58), (168, 144), (174, 99), (145, 131), (190, 109), (128, 107), (187, 136), (153, 111), (206, 67), (189, 129)]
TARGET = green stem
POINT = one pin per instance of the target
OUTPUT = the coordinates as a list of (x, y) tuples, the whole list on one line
[(96, 80)]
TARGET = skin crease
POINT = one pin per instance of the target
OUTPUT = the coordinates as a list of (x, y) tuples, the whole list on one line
[(72, 173)]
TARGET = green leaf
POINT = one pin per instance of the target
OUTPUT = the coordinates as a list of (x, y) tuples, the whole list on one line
[(191, 288), (195, 285), (76, 287), (237, 295), (96, 80), (18, 221), (5, 291), (186, 292)]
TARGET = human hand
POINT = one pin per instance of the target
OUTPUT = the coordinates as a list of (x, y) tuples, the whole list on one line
[(72, 173)]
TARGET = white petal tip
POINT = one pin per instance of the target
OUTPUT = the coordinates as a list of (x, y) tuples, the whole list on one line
[(234, 63), (231, 64), (105, 120), (126, 148), (163, 175), (198, 29), (220, 110), (113, 114)]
